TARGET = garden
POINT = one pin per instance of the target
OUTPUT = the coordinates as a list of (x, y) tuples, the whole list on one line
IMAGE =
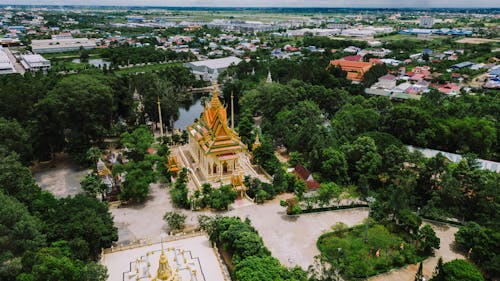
[(356, 253)]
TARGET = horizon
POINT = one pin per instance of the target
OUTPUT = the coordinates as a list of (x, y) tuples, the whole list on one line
[(211, 4)]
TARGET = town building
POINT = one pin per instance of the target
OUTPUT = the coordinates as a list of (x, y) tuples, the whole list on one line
[(6, 66), (387, 81), (209, 69), (355, 69), (61, 45), (426, 22), (302, 173), (35, 63), (313, 31)]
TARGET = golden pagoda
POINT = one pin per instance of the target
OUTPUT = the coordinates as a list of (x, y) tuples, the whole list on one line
[(164, 271), (214, 146)]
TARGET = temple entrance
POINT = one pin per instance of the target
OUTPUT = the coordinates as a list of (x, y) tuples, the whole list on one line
[(224, 167), (215, 168)]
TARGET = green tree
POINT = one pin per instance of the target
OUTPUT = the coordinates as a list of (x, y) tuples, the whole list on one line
[(363, 160), (327, 192), (427, 239), (16, 180), (19, 232), (137, 178), (85, 223), (14, 138), (175, 220), (55, 263), (245, 128), (93, 185), (82, 107), (439, 274), (137, 143), (222, 197), (92, 156), (459, 270), (334, 166), (481, 244)]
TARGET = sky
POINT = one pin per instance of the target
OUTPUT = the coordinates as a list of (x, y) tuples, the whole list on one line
[(272, 3)]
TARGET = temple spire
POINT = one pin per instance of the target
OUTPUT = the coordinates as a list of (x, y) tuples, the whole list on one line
[(215, 102), (269, 78), (160, 119), (232, 110), (164, 272), (256, 143)]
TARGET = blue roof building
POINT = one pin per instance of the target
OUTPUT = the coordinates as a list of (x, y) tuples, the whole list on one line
[(462, 65)]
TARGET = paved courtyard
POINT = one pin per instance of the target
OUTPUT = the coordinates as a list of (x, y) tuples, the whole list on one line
[(199, 256), (291, 239)]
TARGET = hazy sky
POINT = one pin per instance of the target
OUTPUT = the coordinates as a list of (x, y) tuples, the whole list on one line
[(270, 3)]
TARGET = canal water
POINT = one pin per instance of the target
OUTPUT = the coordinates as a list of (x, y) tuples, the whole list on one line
[(188, 114)]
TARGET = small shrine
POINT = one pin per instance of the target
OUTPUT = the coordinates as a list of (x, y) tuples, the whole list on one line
[(173, 164)]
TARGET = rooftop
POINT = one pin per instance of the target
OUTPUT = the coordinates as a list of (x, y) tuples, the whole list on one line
[(217, 63)]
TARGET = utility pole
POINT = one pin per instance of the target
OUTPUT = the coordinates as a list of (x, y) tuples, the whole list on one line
[(159, 115), (370, 200)]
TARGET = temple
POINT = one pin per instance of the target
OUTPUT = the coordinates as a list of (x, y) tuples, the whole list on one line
[(215, 147), (355, 69)]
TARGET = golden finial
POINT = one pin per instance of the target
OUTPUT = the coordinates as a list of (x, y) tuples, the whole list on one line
[(256, 143)]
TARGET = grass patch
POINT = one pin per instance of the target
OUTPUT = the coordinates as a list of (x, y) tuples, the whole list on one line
[(146, 68), (358, 259)]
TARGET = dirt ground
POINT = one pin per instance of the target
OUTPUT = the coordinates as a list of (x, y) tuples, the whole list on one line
[(477, 40), (291, 239), (62, 177)]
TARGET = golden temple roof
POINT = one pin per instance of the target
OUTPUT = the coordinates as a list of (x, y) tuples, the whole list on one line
[(212, 132)]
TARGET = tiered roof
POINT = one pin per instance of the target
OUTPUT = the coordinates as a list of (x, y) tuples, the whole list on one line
[(212, 132)]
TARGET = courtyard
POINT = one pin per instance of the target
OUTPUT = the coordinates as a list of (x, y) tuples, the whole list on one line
[(193, 253), (291, 239)]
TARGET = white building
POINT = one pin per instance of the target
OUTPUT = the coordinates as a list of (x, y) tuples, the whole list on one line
[(426, 22), (387, 82), (35, 63), (61, 45), (209, 69), (313, 31), (6, 66)]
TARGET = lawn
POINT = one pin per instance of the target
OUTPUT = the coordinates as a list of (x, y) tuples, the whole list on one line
[(347, 250), (146, 68)]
